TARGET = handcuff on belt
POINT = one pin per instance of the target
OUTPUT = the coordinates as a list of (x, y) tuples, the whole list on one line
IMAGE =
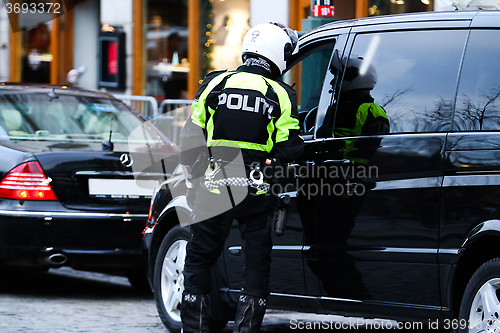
[(255, 179)]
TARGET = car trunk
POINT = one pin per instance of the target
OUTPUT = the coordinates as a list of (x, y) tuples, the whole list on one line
[(83, 177)]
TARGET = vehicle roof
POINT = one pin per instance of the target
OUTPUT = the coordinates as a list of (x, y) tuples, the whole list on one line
[(33, 88), (398, 18), (417, 17)]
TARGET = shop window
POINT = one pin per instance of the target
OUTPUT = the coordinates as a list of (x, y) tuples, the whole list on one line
[(167, 49), (223, 25), (40, 43), (231, 23), (36, 55), (387, 7)]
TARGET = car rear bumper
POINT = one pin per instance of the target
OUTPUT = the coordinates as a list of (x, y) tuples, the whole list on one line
[(32, 232)]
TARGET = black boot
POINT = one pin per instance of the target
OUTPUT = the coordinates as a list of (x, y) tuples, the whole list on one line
[(194, 313), (249, 314)]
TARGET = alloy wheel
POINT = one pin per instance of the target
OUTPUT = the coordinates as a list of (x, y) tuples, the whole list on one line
[(484, 315), (172, 278)]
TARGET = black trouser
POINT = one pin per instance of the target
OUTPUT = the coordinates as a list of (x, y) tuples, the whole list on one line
[(207, 241)]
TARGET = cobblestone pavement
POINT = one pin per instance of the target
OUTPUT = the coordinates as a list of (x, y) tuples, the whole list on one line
[(67, 301)]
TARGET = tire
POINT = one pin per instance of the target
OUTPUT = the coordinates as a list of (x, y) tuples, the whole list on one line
[(483, 289), (169, 278), (169, 281)]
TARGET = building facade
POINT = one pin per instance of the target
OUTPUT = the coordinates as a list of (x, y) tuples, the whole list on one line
[(4, 45), (163, 48)]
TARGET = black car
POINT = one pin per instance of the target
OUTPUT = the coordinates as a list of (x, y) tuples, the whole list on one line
[(77, 172), (404, 224)]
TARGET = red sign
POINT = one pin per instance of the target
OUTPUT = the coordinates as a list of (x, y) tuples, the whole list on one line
[(113, 58), (323, 10)]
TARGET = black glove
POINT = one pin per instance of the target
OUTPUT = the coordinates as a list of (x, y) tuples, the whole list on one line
[(199, 167)]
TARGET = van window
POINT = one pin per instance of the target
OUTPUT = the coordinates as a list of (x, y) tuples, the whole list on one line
[(310, 70), (478, 98), (314, 68), (407, 77)]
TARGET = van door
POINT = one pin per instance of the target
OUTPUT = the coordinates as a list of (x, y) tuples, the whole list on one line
[(472, 180), (373, 237)]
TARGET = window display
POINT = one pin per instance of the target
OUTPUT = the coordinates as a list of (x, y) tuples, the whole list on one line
[(166, 44), (386, 7)]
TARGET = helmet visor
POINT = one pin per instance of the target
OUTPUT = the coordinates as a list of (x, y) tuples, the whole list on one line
[(294, 37)]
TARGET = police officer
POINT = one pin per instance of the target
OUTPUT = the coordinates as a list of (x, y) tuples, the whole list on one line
[(249, 120), (357, 113)]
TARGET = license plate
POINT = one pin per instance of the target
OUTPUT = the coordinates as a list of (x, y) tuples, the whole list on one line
[(122, 188)]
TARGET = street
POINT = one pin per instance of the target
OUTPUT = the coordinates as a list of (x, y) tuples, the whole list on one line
[(67, 301)]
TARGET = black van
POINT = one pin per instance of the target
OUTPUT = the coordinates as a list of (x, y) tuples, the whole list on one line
[(402, 222)]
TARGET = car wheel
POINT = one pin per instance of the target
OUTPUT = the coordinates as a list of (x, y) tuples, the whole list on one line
[(480, 308), (169, 281), (169, 278)]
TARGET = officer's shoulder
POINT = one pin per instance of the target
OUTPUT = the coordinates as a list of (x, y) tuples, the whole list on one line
[(213, 74), (209, 77), (285, 85)]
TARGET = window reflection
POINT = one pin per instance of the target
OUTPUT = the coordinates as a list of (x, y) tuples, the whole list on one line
[(386, 7), (417, 73), (478, 99)]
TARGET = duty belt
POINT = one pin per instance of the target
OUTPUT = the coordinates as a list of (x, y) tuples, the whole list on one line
[(236, 181), (255, 180)]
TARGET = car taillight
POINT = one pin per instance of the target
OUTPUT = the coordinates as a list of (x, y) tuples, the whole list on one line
[(150, 225), (26, 182)]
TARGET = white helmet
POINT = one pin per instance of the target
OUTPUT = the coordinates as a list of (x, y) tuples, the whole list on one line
[(359, 74), (272, 41)]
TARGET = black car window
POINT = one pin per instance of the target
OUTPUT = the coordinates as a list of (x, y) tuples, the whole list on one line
[(409, 78), (478, 98), (34, 117)]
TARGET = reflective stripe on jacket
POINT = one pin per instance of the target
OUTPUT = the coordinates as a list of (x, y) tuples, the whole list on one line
[(370, 118), (363, 113), (244, 110)]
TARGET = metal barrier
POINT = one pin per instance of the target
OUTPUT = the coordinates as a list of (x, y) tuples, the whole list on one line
[(168, 105), (174, 114), (169, 117), (146, 106)]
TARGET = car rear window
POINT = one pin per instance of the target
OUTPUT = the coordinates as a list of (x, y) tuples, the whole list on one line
[(70, 118), (478, 98)]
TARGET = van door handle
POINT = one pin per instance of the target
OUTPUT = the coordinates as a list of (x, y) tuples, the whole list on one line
[(309, 252), (235, 251), (298, 167), (342, 161)]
